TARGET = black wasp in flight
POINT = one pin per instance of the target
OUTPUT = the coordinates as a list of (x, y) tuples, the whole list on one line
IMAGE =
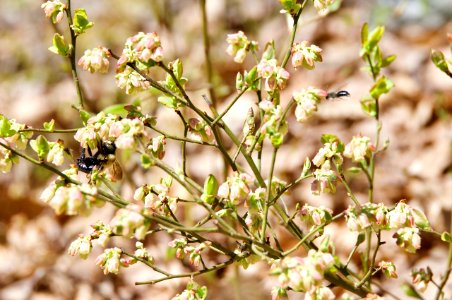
[(339, 94)]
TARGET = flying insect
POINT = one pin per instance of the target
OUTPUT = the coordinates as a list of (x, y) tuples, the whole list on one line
[(103, 159), (338, 94)]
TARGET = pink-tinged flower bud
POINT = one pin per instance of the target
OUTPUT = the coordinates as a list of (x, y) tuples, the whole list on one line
[(139, 194), (81, 247), (325, 180), (54, 9), (399, 216), (304, 55), (223, 190), (388, 269), (95, 60)]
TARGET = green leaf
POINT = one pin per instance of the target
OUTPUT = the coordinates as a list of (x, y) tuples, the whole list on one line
[(382, 86), (251, 78), (329, 138), (211, 185), (291, 6), (439, 60), (420, 219), (84, 116), (40, 146), (369, 106), (169, 102), (270, 51), (80, 21), (50, 126), (364, 34), (388, 60), (354, 170), (375, 36), (360, 239), (410, 291), (146, 161), (306, 167), (5, 127), (445, 237), (116, 109), (59, 46)]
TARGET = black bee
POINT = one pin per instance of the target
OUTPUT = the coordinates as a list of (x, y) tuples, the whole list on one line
[(339, 94), (103, 158)]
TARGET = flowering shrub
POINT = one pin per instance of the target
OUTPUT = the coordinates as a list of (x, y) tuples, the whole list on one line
[(240, 207)]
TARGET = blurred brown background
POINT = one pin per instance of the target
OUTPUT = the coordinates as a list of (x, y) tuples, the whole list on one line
[(36, 86)]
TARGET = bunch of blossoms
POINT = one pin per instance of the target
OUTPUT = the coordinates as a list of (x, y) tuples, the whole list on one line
[(407, 220), (305, 56), (95, 60), (236, 189), (315, 216), (304, 274), (156, 198), (325, 178), (192, 292), (157, 146), (239, 46), (54, 10), (307, 101), (274, 126), (193, 252), (68, 198), (130, 222), (54, 152), (110, 260), (322, 6), (12, 136), (124, 132), (359, 149), (143, 50), (421, 278), (275, 77), (255, 204), (198, 130), (83, 245)]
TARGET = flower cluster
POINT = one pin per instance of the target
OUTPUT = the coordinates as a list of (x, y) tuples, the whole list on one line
[(236, 189), (144, 50), (359, 149), (54, 152), (304, 274), (325, 177), (199, 130), (276, 77), (239, 46), (255, 204), (421, 278), (192, 292), (307, 101), (109, 260), (388, 269), (157, 146), (156, 198), (82, 246), (54, 10), (130, 222), (274, 126), (11, 136), (315, 216), (193, 252), (124, 132), (68, 198), (95, 60), (405, 219), (304, 55), (322, 6)]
